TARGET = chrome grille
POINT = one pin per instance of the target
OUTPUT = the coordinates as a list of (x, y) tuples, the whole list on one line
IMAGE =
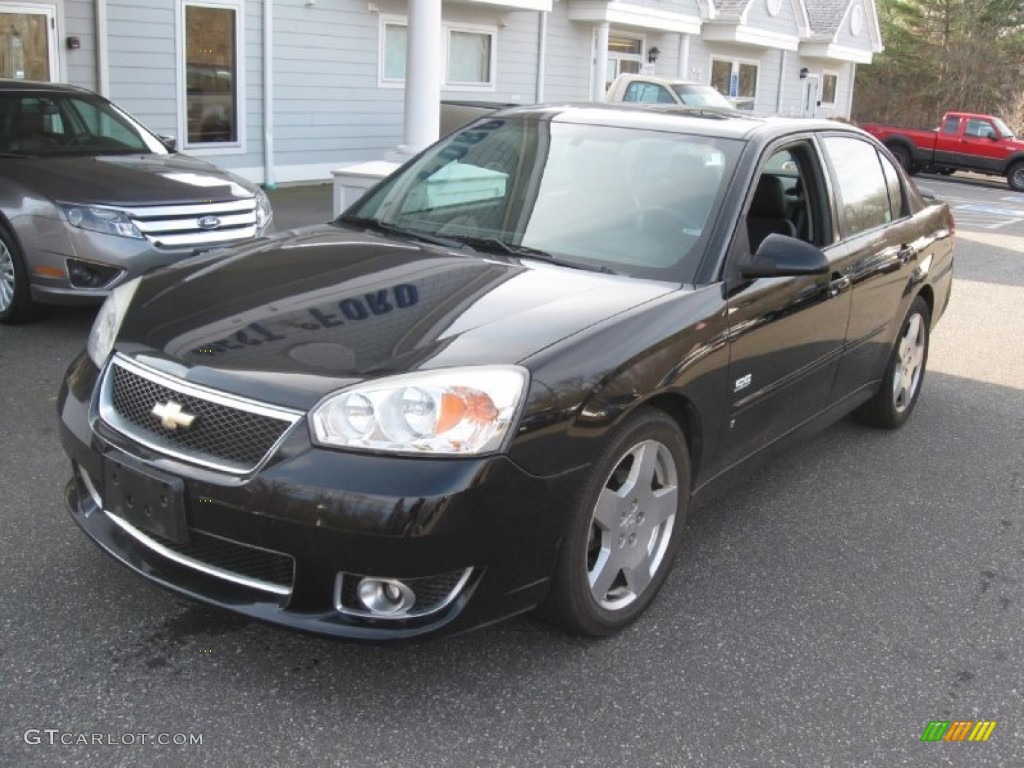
[(228, 433), (178, 226)]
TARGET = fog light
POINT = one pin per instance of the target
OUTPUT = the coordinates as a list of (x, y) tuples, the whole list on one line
[(82, 274), (386, 597)]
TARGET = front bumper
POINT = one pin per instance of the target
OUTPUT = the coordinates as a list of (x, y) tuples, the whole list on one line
[(326, 513), (52, 247)]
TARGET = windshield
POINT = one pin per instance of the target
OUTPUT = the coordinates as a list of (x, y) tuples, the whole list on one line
[(626, 200), (701, 96), (70, 124), (1003, 128)]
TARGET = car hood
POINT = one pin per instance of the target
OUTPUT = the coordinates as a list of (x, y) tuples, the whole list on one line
[(291, 318), (127, 180)]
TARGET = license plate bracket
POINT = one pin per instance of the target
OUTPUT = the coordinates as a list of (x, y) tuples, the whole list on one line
[(151, 501)]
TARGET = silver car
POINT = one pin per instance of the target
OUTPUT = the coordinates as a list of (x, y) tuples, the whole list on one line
[(89, 199)]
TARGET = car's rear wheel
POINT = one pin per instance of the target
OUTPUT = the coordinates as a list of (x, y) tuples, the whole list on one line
[(15, 301), (624, 529), (895, 400), (902, 156), (1015, 176)]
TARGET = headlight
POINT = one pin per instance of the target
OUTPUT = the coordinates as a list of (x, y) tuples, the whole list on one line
[(108, 322), (456, 411), (109, 221), (264, 213)]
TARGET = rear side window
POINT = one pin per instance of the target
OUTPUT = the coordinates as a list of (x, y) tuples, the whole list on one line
[(863, 188), (951, 125), (897, 202), (649, 93)]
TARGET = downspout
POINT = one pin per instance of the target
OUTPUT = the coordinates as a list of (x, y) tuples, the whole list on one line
[(542, 46), (102, 65), (783, 60), (269, 181)]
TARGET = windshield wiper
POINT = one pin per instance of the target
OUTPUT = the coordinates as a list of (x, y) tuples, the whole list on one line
[(394, 229), (494, 243)]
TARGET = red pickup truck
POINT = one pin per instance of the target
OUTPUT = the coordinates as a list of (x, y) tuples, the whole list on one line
[(963, 142)]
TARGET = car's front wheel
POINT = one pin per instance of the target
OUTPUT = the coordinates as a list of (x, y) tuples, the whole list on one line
[(15, 301), (901, 386), (624, 528)]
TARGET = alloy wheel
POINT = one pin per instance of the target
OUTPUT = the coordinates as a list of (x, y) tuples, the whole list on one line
[(632, 525), (907, 375)]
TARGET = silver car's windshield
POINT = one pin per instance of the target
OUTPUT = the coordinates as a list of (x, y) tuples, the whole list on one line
[(631, 201), (48, 123)]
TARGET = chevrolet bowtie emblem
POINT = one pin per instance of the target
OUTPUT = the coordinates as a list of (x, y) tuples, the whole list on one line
[(172, 415)]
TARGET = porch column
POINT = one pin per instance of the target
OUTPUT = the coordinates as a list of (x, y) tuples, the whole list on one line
[(422, 77), (683, 68), (600, 61)]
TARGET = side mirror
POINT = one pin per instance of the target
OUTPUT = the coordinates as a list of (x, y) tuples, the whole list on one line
[(168, 141), (782, 256)]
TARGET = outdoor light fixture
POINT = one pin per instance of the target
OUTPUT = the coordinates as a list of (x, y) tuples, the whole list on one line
[(804, 72), (653, 53)]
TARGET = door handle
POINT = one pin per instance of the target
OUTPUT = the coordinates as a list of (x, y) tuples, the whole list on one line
[(837, 286), (906, 253)]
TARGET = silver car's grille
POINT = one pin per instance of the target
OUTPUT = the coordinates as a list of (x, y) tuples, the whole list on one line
[(228, 433), (201, 225)]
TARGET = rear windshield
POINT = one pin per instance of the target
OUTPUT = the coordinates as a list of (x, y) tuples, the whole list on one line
[(70, 124)]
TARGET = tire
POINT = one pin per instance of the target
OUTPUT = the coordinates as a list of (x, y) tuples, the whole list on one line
[(624, 528), (892, 405), (15, 298), (902, 156), (1015, 176)]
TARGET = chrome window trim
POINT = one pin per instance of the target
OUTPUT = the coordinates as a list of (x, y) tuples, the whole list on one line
[(209, 570), (340, 607), (109, 415)]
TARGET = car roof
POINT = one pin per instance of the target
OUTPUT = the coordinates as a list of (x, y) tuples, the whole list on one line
[(708, 121), (8, 84)]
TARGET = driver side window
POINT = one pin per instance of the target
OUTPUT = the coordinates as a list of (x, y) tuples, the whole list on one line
[(786, 199)]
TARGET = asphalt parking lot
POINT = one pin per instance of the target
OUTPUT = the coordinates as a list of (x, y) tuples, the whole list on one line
[(821, 614)]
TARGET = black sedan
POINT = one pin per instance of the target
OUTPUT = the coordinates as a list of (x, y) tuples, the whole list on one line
[(500, 380)]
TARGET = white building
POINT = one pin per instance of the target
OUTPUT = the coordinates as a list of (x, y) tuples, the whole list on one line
[(287, 90)]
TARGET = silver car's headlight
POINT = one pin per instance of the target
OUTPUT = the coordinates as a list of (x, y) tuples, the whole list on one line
[(455, 411), (109, 221), (108, 322), (264, 213)]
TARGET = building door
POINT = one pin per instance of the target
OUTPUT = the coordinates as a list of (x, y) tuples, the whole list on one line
[(812, 95), (28, 49)]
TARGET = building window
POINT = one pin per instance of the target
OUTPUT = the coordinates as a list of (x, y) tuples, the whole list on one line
[(27, 49), (211, 45), (396, 41), (468, 55), (736, 79), (469, 58), (829, 83)]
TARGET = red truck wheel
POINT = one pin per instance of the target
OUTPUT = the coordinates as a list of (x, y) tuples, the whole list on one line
[(1015, 176), (902, 156)]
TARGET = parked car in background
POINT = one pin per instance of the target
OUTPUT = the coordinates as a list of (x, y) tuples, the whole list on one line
[(648, 89), (963, 142), (500, 380), (90, 199)]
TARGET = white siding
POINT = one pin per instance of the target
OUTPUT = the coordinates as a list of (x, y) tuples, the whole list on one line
[(569, 56), (79, 66)]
